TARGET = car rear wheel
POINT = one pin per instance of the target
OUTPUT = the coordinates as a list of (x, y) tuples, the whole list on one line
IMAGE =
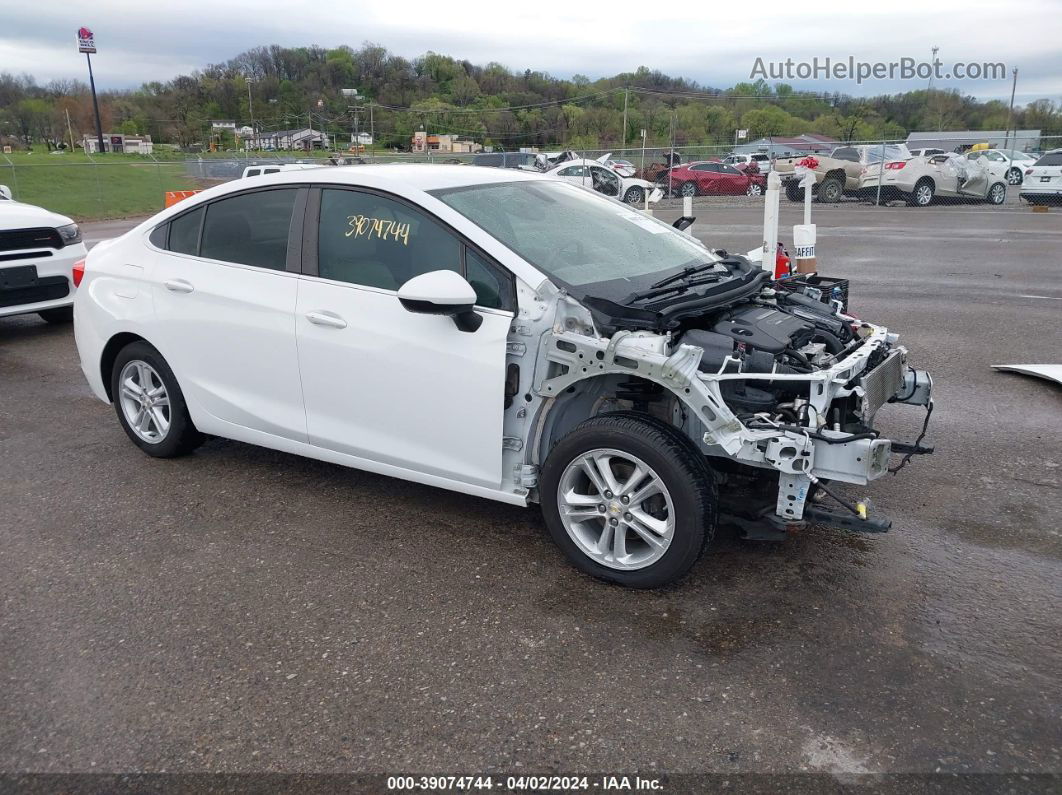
[(793, 191), (754, 189), (1014, 176), (688, 189), (997, 194), (923, 193), (634, 195), (150, 404), (60, 315), (831, 190), (629, 500)]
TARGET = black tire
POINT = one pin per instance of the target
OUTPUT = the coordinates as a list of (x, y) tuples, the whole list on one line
[(688, 189), (793, 191), (923, 193), (634, 195), (830, 190), (59, 316), (181, 437), (675, 460), (997, 194), (1014, 176)]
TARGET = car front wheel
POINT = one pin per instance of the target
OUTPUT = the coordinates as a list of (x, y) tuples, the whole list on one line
[(688, 189), (831, 190), (150, 404), (997, 194), (634, 196), (629, 500), (754, 189)]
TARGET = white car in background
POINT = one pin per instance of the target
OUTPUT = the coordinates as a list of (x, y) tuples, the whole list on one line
[(275, 168), (41, 260), (1006, 163), (921, 180), (595, 174), (1043, 181)]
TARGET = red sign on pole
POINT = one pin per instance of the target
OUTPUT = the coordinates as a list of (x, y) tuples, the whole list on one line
[(86, 42)]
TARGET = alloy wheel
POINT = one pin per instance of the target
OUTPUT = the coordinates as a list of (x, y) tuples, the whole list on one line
[(145, 402), (616, 509)]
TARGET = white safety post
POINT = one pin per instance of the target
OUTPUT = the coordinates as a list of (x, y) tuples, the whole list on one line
[(804, 234), (770, 223)]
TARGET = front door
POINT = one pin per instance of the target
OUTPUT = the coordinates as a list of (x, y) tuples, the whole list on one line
[(382, 383), (225, 313)]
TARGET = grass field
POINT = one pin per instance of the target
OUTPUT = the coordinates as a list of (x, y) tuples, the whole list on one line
[(91, 191)]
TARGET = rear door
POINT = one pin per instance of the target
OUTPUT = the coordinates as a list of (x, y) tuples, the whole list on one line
[(384, 384), (224, 294)]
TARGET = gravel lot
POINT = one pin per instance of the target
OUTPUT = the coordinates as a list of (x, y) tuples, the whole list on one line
[(245, 610)]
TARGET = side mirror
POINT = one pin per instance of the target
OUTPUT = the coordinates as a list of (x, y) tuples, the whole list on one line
[(5, 191), (441, 293)]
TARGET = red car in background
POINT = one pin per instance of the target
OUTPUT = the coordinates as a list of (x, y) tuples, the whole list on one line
[(706, 178)]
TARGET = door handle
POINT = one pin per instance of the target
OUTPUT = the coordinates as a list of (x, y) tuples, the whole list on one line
[(178, 286), (329, 319)]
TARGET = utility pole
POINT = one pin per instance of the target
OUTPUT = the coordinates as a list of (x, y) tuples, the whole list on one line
[(626, 95), (372, 130), (69, 129), (1010, 113), (250, 108)]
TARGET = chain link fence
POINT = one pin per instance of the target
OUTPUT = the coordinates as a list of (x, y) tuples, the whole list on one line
[(940, 171)]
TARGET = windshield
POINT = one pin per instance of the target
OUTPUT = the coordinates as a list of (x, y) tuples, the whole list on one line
[(577, 237)]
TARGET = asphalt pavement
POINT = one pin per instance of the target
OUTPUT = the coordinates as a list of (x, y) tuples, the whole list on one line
[(244, 610)]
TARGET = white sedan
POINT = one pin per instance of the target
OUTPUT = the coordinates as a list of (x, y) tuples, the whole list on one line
[(596, 175), (1008, 164), (501, 334), (40, 260)]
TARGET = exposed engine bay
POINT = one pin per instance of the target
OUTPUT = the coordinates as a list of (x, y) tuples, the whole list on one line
[(775, 382)]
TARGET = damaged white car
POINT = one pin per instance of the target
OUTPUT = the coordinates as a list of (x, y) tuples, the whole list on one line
[(505, 335)]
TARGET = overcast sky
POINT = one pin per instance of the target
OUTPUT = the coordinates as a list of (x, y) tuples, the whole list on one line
[(140, 41)]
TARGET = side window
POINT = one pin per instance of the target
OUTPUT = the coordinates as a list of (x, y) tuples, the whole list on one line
[(184, 232), (379, 242), (571, 171), (253, 172), (847, 154), (270, 170), (494, 288), (250, 229)]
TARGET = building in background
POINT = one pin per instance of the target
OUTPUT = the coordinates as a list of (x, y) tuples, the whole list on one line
[(423, 142), (303, 139), (961, 140), (787, 146), (118, 142)]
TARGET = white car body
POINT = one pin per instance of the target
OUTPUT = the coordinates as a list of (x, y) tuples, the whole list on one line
[(378, 378), (596, 175), (1043, 180), (762, 161), (29, 237), (920, 180), (1005, 164)]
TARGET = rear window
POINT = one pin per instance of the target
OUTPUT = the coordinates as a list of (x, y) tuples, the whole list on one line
[(1050, 159), (487, 160)]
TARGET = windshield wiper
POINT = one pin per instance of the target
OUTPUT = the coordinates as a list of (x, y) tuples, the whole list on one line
[(684, 285), (685, 273)]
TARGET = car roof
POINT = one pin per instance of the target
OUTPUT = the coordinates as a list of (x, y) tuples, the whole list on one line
[(411, 176)]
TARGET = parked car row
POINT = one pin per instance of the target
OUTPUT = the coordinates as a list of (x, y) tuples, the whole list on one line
[(892, 171)]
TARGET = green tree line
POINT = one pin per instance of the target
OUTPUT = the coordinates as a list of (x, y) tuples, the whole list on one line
[(290, 87)]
